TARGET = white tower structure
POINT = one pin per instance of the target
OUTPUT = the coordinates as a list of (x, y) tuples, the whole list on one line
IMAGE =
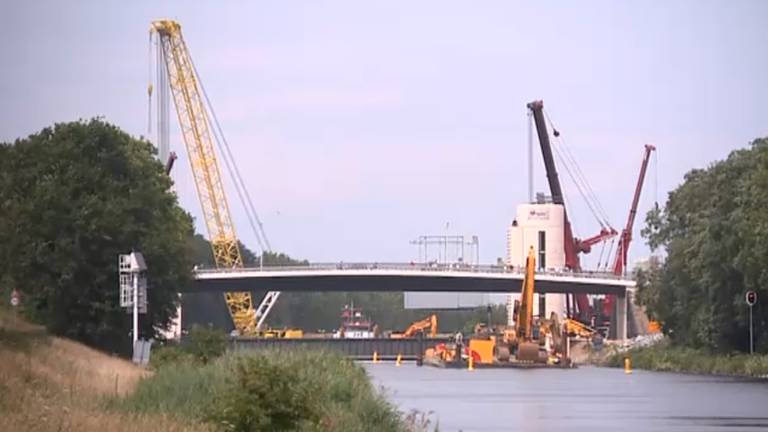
[(541, 226)]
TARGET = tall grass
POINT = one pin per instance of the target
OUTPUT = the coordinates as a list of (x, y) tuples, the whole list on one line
[(271, 390), (667, 357), (53, 384)]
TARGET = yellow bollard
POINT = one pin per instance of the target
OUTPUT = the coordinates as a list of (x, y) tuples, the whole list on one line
[(627, 365), (471, 364), (375, 357), (399, 360)]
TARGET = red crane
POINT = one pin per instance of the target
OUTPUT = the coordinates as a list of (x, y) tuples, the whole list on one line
[(620, 262), (572, 245)]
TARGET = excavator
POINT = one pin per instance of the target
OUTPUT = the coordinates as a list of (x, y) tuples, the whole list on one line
[(532, 341), (428, 323)]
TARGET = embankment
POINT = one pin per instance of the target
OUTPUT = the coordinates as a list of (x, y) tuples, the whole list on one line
[(54, 384), (670, 358)]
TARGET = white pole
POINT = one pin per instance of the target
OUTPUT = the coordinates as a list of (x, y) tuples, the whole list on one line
[(751, 341), (135, 308)]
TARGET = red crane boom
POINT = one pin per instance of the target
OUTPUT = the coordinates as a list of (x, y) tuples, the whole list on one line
[(620, 262)]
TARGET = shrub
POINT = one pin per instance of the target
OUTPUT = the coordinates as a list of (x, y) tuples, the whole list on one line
[(266, 396), (270, 390), (205, 344), (170, 355)]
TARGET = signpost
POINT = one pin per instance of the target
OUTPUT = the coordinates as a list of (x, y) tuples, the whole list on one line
[(751, 298), (133, 287)]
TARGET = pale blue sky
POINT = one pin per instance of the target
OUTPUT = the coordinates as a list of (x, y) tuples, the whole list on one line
[(361, 125)]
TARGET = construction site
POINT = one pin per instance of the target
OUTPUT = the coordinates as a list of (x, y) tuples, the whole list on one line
[(383, 217), (540, 241)]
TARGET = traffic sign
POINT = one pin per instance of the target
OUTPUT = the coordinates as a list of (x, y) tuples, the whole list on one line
[(751, 298), (15, 298)]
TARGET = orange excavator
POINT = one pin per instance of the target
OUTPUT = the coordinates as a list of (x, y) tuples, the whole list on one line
[(428, 323)]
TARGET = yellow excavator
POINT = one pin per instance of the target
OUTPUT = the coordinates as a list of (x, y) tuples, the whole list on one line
[(529, 341), (527, 350), (428, 323)]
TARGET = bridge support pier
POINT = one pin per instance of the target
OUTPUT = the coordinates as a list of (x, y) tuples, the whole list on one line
[(620, 316)]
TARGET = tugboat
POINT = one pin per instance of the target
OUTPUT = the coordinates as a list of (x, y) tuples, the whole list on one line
[(355, 325)]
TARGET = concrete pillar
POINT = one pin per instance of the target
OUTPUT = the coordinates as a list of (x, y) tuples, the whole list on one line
[(620, 314)]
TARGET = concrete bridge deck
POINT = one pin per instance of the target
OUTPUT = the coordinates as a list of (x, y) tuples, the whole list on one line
[(403, 277)]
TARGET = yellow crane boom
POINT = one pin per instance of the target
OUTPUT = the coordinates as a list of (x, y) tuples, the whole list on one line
[(195, 128)]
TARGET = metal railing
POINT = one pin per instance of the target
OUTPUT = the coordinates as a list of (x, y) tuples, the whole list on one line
[(417, 267)]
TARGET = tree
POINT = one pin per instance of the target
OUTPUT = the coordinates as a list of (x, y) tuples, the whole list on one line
[(74, 196), (714, 230)]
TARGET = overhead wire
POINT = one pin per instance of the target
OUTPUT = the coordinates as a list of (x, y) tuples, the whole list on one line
[(253, 218)]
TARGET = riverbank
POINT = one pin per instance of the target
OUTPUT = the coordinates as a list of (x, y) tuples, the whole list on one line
[(666, 357), (55, 384)]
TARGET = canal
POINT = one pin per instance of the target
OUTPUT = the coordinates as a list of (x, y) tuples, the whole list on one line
[(583, 399)]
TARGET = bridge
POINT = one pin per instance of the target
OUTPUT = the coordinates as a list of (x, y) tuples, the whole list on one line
[(351, 277)]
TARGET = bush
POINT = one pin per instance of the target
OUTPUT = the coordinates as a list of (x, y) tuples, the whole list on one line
[(205, 344), (270, 390), (266, 396), (165, 355)]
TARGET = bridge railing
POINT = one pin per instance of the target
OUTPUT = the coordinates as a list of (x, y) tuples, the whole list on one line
[(418, 267)]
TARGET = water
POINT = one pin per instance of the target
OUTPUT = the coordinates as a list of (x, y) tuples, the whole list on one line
[(584, 399)]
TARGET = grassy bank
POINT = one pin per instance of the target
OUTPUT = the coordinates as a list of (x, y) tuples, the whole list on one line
[(54, 384), (670, 358), (288, 390)]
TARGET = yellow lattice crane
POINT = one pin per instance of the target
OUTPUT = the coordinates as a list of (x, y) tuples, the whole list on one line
[(198, 138)]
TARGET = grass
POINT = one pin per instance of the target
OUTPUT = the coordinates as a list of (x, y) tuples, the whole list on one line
[(53, 384), (670, 358), (273, 390)]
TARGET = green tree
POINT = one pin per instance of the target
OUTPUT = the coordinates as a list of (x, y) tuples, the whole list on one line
[(74, 196), (714, 231)]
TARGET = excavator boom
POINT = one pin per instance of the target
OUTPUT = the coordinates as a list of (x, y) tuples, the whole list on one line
[(427, 323), (524, 318)]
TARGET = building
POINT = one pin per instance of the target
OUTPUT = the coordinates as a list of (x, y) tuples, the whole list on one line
[(540, 225)]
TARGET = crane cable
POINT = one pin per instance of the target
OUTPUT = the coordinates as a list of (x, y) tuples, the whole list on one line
[(234, 173), (579, 187), (578, 177)]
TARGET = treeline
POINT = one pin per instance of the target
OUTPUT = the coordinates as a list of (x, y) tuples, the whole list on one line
[(713, 231), (73, 197)]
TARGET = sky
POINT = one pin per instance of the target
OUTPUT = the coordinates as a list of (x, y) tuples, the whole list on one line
[(359, 126)]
